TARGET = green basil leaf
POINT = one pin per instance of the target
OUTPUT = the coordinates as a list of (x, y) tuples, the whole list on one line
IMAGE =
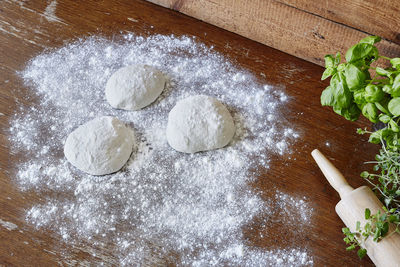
[(359, 51), (391, 90), (327, 97), (328, 72), (387, 89), (383, 72), (393, 125), (396, 83), (370, 40), (383, 105), (394, 106), (351, 113), (337, 59), (395, 62), (384, 118), (370, 111), (372, 56), (341, 67), (373, 93), (329, 61), (367, 74), (355, 78), (396, 93), (341, 92), (359, 96)]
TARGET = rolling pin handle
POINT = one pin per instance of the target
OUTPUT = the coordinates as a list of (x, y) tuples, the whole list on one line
[(333, 175)]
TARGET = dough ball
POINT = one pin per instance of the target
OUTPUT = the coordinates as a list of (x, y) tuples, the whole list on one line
[(199, 123), (134, 87), (100, 146)]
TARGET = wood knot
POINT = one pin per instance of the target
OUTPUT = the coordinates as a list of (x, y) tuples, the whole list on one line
[(318, 35)]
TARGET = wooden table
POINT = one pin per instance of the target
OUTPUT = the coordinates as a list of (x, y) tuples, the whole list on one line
[(26, 30)]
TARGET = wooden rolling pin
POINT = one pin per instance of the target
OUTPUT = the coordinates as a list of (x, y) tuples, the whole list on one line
[(385, 253)]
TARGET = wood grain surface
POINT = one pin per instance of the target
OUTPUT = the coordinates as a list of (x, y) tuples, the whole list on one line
[(379, 17), (293, 27), (27, 30)]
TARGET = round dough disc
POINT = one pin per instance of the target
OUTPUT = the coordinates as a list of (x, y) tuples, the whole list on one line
[(100, 146), (199, 123), (134, 87)]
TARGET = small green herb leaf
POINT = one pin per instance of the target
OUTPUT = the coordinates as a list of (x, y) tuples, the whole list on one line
[(367, 214), (337, 59), (395, 62), (376, 136), (361, 253), (394, 106), (328, 72), (364, 174), (392, 218), (329, 61), (385, 228), (382, 71), (396, 83), (394, 126), (384, 118), (370, 40), (387, 89)]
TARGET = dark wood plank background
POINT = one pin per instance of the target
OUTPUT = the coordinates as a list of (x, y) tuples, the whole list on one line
[(303, 28), (25, 31)]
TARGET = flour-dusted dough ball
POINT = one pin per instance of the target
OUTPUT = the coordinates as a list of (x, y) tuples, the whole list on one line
[(199, 123), (134, 87), (100, 146)]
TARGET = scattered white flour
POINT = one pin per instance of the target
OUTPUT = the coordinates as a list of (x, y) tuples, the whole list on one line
[(189, 209), (8, 225), (291, 205)]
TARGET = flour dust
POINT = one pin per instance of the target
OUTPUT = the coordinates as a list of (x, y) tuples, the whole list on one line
[(163, 204)]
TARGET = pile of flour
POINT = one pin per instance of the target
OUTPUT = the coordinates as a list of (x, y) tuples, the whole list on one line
[(185, 208)]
